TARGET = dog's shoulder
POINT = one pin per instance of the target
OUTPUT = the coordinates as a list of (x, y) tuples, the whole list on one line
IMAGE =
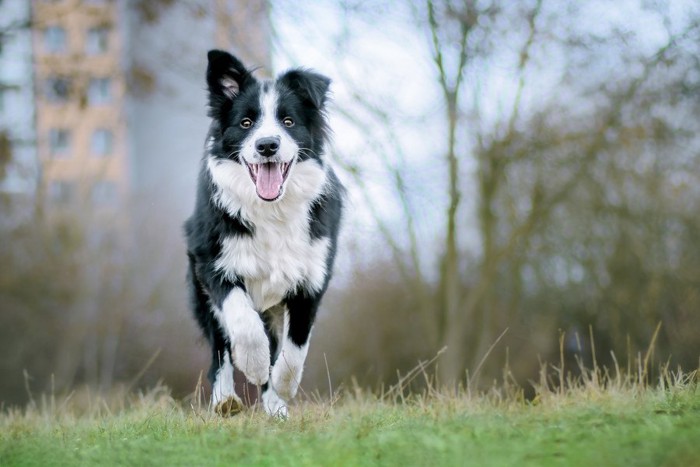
[(209, 223), (326, 210)]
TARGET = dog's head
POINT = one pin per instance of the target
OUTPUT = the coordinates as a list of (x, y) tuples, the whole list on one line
[(266, 126)]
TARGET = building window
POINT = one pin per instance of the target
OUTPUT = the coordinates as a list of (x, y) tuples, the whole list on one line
[(101, 143), (97, 41), (5, 151), (59, 142), (61, 191), (104, 193), (55, 39), (99, 91), (57, 89)]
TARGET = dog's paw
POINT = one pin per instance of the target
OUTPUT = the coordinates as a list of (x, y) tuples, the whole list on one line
[(229, 406), (287, 371), (251, 353), (274, 405), (286, 381)]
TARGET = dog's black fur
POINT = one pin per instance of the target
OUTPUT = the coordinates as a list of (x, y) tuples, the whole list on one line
[(227, 217)]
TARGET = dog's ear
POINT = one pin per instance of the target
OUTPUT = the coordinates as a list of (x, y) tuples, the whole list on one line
[(310, 86), (226, 78)]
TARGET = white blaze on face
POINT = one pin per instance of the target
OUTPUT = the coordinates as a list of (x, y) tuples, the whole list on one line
[(268, 124), (269, 173)]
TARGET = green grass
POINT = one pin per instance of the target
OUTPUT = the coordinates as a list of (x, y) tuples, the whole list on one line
[(587, 425)]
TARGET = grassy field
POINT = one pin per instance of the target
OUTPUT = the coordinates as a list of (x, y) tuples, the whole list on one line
[(589, 424)]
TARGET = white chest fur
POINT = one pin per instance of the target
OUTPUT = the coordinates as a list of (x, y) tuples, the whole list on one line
[(281, 255), (277, 259)]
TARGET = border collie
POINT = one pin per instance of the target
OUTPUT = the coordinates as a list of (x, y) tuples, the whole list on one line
[(262, 239)]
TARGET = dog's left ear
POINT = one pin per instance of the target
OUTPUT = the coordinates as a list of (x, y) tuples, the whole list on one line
[(310, 86), (226, 78)]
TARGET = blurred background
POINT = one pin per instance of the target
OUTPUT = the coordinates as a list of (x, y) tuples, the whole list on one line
[(520, 175)]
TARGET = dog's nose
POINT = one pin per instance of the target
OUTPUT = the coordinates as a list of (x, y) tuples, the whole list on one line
[(268, 146)]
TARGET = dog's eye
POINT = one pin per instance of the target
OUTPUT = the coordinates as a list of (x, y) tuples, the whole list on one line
[(246, 123), (288, 122)]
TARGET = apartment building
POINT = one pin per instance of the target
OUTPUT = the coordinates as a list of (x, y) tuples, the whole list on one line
[(80, 98), (18, 164)]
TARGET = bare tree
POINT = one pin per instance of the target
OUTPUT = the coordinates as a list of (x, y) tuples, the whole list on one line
[(532, 168)]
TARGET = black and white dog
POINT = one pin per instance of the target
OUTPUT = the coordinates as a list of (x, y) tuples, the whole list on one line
[(262, 239)]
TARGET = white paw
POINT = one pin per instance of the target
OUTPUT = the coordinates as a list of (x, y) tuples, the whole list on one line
[(274, 405), (288, 370), (286, 380), (251, 353)]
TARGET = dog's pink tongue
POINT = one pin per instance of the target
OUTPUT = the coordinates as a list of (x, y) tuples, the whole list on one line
[(269, 181)]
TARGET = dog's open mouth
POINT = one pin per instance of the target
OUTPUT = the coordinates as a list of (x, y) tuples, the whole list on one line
[(269, 178)]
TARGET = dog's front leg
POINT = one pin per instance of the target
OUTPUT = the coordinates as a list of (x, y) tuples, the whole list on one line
[(250, 347), (289, 366)]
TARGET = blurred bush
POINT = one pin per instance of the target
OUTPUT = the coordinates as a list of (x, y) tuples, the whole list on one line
[(94, 298)]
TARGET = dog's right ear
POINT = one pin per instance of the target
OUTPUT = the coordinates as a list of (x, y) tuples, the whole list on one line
[(226, 78)]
